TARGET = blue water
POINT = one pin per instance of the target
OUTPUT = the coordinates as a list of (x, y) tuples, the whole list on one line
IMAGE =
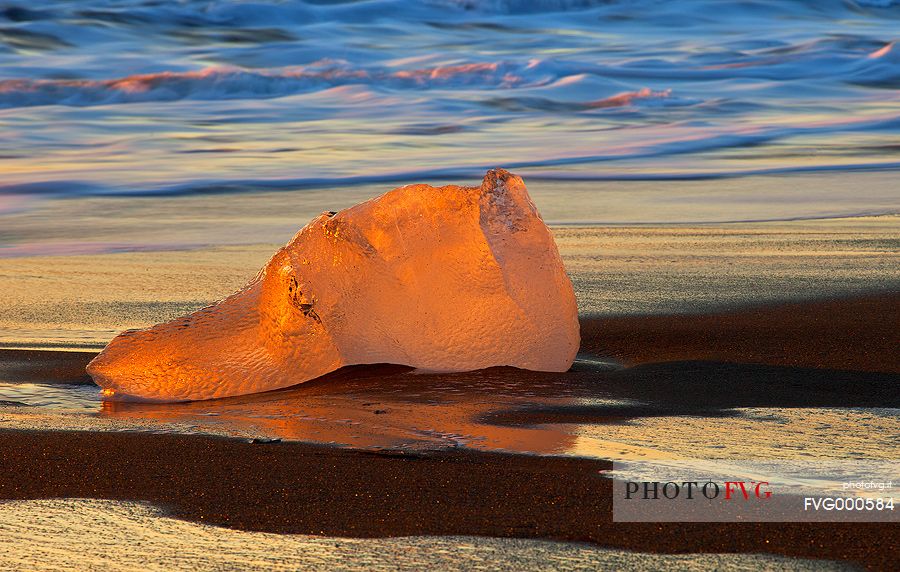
[(125, 98)]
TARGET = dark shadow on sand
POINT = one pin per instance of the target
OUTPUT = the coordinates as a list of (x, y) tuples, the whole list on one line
[(829, 354), (710, 389), (299, 488), (45, 366)]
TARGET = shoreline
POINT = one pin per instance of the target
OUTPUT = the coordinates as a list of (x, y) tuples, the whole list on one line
[(828, 353), (615, 270), (817, 366), (847, 332), (292, 488)]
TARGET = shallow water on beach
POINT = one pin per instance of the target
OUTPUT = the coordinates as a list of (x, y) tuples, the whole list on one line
[(84, 300), (155, 154), (501, 409), (625, 111), (595, 410), (689, 156)]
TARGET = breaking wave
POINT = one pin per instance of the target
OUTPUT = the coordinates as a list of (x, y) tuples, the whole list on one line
[(877, 68), (158, 99), (219, 83)]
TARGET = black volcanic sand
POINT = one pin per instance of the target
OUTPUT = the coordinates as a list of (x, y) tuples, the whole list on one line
[(831, 353), (44, 366), (298, 488), (852, 334), (834, 353)]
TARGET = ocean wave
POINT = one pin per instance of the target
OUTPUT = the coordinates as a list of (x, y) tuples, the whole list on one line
[(224, 83), (248, 13), (543, 166), (392, 91), (530, 171), (880, 69), (877, 3), (549, 6), (522, 6), (876, 67), (645, 96)]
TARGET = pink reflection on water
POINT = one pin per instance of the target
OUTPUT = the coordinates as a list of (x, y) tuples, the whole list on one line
[(882, 52)]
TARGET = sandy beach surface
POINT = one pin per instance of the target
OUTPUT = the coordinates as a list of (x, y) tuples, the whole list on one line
[(313, 490), (752, 341), (721, 179), (82, 300)]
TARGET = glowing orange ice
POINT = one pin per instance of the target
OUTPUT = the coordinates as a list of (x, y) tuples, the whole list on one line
[(446, 279)]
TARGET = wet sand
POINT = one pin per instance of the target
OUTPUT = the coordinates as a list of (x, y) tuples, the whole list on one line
[(849, 334), (298, 488), (686, 332), (49, 366), (846, 333), (831, 353), (82, 301), (43, 530)]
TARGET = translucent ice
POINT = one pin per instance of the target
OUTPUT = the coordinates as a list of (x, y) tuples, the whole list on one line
[(448, 279)]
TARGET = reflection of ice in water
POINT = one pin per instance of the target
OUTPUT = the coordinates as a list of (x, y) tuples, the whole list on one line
[(44, 534), (392, 407)]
